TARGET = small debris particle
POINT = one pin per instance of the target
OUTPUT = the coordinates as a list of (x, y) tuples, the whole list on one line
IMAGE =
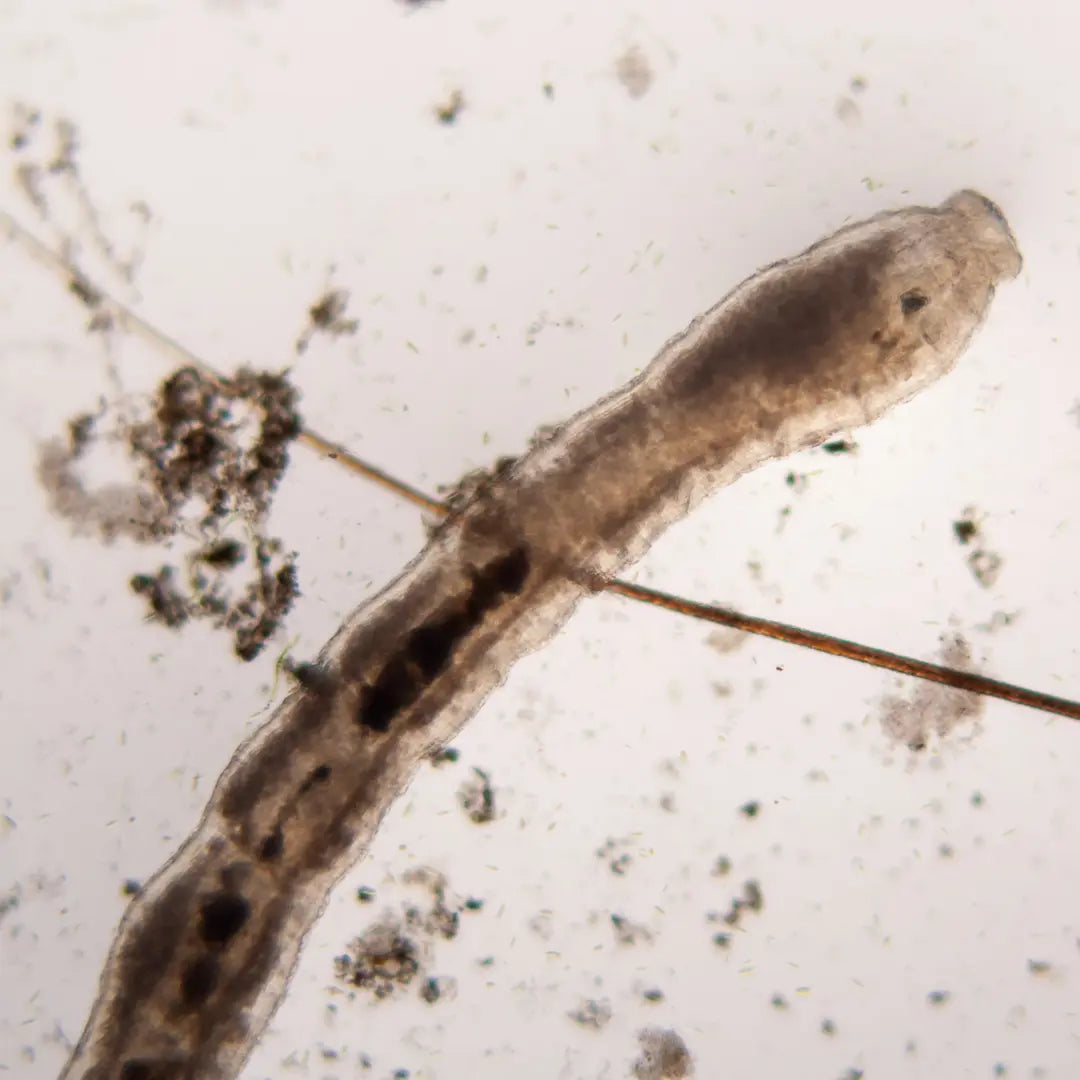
[(548, 90), (10, 901), (986, 567), (327, 316), (752, 895), (751, 900), (130, 888), (82, 288), (722, 941), (591, 1014), (207, 452), (437, 989), (473, 904), (380, 961), (653, 994), (778, 1001), (828, 1027), (722, 866), (984, 564), (977, 798), (445, 755), (167, 604), (448, 112), (395, 949), (664, 1056), (627, 932), (847, 112), (965, 530), (727, 639), (932, 709), (938, 997), (839, 446), (477, 798), (619, 862), (750, 809), (222, 553), (1039, 967), (633, 71), (946, 851)]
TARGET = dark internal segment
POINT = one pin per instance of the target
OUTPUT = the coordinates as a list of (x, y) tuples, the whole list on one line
[(426, 651)]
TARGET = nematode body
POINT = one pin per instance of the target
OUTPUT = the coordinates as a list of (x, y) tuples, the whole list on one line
[(823, 342)]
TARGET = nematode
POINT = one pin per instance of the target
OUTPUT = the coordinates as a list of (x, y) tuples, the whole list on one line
[(823, 342)]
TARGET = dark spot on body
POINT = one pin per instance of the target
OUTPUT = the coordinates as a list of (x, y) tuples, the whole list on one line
[(147, 1069), (222, 916), (913, 301), (199, 980), (395, 689), (319, 775), (272, 845), (505, 576), (430, 646), (884, 342)]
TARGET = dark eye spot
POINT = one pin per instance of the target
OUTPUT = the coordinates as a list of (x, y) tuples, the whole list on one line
[(198, 980), (272, 846), (222, 917), (913, 301)]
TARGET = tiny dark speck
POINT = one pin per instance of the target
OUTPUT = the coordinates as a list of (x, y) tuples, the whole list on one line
[(965, 530), (838, 446), (750, 809)]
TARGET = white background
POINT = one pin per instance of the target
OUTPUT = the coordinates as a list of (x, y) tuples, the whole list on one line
[(282, 147)]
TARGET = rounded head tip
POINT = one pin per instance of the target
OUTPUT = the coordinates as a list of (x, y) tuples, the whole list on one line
[(997, 237)]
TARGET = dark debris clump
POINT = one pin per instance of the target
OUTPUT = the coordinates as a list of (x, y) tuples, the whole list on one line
[(207, 456)]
